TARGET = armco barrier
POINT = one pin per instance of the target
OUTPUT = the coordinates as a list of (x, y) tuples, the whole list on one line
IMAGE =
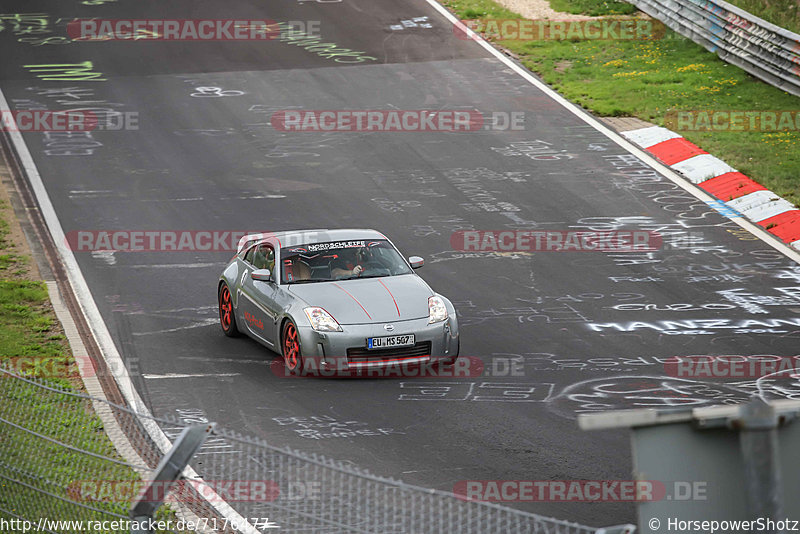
[(764, 50)]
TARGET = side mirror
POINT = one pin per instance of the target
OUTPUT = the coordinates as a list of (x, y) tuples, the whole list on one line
[(416, 262), (263, 275)]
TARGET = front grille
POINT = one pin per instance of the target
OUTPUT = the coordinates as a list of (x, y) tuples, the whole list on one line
[(361, 354)]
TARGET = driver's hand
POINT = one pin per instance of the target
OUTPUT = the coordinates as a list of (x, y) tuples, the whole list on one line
[(357, 270)]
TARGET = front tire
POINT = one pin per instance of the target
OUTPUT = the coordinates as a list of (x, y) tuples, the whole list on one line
[(227, 317), (290, 344)]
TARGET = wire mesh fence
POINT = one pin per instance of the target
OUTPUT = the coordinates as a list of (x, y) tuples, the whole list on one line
[(56, 461)]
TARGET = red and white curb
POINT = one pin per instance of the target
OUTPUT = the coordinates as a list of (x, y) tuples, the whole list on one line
[(739, 195)]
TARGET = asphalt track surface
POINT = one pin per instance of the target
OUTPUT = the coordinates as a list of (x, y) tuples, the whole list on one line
[(584, 331)]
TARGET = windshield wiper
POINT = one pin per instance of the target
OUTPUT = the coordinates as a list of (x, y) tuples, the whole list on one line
[(307, 281)]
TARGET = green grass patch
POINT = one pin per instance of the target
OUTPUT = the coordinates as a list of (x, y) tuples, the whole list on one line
[(783, 13), (479, 9), (593, 7), (31, 342), (649, 79)]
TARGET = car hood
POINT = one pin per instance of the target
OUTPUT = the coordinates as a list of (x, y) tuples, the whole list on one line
[(369, 300)]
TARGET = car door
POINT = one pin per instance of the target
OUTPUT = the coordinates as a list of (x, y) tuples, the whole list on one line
[(258, 299)]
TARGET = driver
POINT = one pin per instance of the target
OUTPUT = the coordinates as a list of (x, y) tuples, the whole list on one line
[(342, 268)]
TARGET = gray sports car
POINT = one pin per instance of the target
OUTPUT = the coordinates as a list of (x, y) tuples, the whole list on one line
[(335, 299)]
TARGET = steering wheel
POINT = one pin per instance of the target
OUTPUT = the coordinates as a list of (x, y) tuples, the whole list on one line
[(373, 268)]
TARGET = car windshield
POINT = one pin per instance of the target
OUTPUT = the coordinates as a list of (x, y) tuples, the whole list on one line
[(341, 260)]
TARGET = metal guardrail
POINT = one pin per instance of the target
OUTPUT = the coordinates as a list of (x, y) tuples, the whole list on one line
[(49, 466), (763, 49)]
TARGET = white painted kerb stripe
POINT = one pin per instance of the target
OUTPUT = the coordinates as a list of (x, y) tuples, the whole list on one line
[(649, 136), (760, 205), (702, 167), (628, 146)]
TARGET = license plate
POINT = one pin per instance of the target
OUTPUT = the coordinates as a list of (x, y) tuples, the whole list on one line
[(388, 342)]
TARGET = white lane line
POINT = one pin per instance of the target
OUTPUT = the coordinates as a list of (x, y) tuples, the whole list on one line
[(670, 174), (91, 192), (197, 375), (175, 265), (106, 256), (174, 311), (224, 360), (98, 327), (192, 199), (198, 324), (252, 197)]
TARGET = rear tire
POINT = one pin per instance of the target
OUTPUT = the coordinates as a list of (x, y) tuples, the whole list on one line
[(227, 316), (290, 348)]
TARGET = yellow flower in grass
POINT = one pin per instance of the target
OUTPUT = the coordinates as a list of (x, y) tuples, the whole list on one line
[(631, 74), (615, 63), (694, 67), (780, 138)]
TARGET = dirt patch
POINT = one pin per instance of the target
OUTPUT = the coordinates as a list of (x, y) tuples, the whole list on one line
[(539, 9), (563, 65), (21, 265)]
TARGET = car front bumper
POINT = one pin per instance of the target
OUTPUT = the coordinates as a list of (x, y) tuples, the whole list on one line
[(347, 349)]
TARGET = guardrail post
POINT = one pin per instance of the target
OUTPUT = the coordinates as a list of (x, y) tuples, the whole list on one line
[(758, 439), (169, 469)]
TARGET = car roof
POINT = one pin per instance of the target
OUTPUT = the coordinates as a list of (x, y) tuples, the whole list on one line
[(318, 235), (323, 235)]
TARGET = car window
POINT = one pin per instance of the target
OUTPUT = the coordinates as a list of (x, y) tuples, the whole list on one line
[(264, 257), (337, 260), (249, 256)]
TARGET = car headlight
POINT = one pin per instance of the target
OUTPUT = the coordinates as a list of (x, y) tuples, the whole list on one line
[(321, 321), (437, 311)]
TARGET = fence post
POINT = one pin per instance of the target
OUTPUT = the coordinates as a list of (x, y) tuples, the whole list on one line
[(759, 442), (169, 469), (716, 463)]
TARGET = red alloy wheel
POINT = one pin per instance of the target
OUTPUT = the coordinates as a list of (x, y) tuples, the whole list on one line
[(226, 317), (291, 347)]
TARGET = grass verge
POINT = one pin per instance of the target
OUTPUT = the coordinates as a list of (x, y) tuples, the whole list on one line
[(31, 342), (783, 13), (650, 78), (593, 7)]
